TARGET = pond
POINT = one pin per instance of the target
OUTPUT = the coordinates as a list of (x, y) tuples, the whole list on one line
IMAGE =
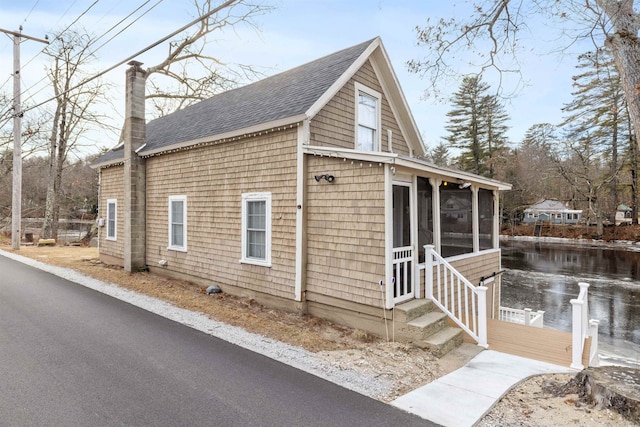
[(545, 276)]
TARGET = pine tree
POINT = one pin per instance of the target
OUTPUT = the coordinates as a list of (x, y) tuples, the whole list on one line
[(440, 154), (598, 119), (477, 127)]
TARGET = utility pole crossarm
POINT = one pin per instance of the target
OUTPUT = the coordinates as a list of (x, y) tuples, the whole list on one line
[(16, 34)]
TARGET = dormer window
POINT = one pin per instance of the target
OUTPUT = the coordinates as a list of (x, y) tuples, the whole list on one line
[(367, 119)]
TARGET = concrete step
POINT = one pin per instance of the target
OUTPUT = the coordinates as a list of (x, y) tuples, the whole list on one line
[(412, 309), (443, 342), (428, 324)]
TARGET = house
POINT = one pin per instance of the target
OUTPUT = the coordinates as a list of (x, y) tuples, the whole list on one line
[(304, 191), (624, 215), (552, 211)]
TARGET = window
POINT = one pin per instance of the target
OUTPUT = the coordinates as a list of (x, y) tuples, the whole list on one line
[(425, 215), (368, 119), (178, 223), (456, 230), (112, 212), (486, 214), (256, 228)]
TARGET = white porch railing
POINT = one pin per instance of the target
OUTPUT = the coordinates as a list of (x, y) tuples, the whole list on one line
[(582, 328), (525, 317), (463, 302)]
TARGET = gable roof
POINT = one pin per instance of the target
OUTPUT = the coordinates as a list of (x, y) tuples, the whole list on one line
[(285, 98)]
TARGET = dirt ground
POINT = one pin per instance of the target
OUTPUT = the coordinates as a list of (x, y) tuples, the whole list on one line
[(539, 401)]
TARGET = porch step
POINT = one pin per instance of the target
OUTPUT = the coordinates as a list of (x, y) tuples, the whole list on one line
[(421, 322), (428, 324), (412, 309), (442, 342)]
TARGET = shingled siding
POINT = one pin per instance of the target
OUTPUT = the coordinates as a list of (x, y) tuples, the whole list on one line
[(112, 187), (345, 231), (214, 179), (334, 125)]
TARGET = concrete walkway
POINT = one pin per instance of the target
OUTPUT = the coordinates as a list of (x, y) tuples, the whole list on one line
[(464, 396)]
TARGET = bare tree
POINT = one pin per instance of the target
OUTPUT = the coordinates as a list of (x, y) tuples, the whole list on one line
[(75, 112), (189, 73), (493, 32)]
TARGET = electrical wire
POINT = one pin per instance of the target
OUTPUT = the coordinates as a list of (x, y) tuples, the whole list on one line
[(129, 58), (94, 41), (63, 31), (32, 8), (59, 34)]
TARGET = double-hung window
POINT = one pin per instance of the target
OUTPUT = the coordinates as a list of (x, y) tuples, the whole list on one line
[(256, 228), (178, 223), (367, 118), (112, 217)]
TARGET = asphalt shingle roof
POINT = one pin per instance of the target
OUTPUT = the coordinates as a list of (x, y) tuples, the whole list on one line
[(283, 95)]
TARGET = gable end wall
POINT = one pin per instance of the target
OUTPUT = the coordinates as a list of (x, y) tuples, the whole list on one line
[(334, 125)]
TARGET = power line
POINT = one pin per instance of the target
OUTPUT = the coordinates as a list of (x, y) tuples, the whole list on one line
[(32, 8), (98, 38), (129, 58), (63, 31)]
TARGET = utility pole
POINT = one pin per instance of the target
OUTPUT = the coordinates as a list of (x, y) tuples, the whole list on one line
[(16, 201)]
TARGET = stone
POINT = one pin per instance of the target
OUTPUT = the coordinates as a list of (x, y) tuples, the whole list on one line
[(213, 289)]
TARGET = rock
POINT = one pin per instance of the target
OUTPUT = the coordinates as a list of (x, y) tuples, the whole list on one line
[(213, 289), (614, 387)]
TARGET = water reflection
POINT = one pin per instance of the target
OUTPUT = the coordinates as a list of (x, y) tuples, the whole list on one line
[(545, 277)]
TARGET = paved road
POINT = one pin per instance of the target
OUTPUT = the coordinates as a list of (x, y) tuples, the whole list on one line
[(70, 356)]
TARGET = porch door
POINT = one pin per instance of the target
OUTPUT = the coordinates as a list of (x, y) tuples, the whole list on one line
[(403, 280)]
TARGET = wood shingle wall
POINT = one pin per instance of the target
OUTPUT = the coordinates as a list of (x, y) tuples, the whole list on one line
[(345, 231), (112, 187), (214, 178)]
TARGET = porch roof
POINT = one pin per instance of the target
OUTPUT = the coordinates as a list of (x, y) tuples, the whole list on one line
[(396, 159)]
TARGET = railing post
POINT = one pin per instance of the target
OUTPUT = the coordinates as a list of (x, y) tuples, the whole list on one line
[(482, 316), (527, 317), (585, 307), (577, 339), (428, 271), (594, 358)]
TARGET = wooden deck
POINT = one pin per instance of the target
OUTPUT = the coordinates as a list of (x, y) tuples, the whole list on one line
[(546, 345)]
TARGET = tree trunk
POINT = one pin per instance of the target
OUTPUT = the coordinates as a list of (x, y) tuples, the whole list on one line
[(614, 161), (46, 232), (624, 43), (633, 153)]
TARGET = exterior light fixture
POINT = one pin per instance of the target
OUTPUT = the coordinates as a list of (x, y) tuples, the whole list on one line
[(328, 178)]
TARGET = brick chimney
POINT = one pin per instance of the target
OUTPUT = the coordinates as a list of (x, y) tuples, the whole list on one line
[(134, 134)]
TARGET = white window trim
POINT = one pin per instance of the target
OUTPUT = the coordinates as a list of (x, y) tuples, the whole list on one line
[(253, 197), (183, 199), (360, 88), (113, 202)]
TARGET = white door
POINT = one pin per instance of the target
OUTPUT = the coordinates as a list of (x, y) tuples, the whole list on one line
[(403, 274)]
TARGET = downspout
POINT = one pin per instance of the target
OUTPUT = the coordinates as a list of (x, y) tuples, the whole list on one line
[(301, 222)]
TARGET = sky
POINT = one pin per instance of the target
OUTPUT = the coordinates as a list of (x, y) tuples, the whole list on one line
[(292, 33)]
